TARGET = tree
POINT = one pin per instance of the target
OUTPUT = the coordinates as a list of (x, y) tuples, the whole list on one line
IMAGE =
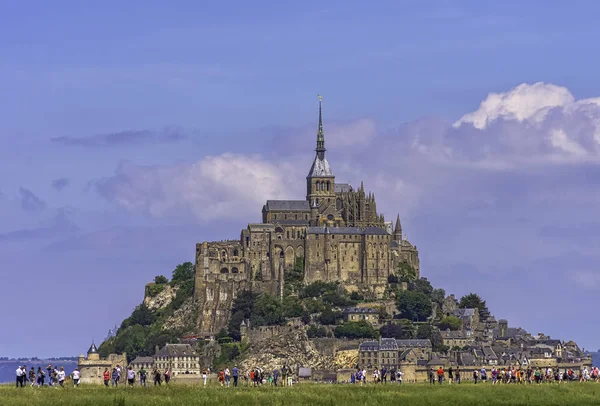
[(438, 296), (329, 317), (141, 315), (425, 332), (267, 311), (451, 322), (160, 279), (414, 305), (294, 277), (399, 331), (183, 272), (421, 285), (406, 272), (472, 301), (292, 307), (241, 309), (392, 278), (358, 329)]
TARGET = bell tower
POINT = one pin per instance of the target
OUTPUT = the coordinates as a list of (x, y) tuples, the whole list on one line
[(320, 182)]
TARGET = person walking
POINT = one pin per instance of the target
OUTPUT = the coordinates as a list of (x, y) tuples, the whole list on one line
[(61, 376), (204, 376), (431, 377), (440, 375), (457, 375), (227, 377), (115, 378), (142, 372), (450, 375), (235, 372), (106, 377), (167, 376), (50, 374), (76, 376), (19, 374), (41, 375), (157, 380), (130, 376), (32, 379)]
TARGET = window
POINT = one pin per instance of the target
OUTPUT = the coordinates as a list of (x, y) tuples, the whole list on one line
[(236, 253), (274, 216)]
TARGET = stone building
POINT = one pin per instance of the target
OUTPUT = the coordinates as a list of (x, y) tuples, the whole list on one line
[(92, 367), (454, 338), (390, 353), (179, 358), (335, 230), (361, 313)]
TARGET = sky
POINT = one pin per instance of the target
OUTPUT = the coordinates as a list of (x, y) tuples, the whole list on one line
[(129, 131)]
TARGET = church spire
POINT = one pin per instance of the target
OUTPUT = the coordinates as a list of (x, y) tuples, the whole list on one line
[(320, 136), (398, 229)]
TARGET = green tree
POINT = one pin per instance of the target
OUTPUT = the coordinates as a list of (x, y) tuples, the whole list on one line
[(472, 301), (414, 305), (329, 317), (358, 329), (450, 322), (141, 315), (183, 272), (438, 296), (292, 307), (132, 340), (406, 273), (294, 277), (399, 331), (267, 311), (425, 332), (241, 309), (316, 332), (161, 279), (421, 285), (319, 289)]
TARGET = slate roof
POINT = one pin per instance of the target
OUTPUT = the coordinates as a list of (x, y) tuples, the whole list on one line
[(93, 349), (175, 350), (404, 354), (467, 359), (465, 312), (489, 353), (414, 343), (369, 346), (452, 334), (342, 187), (143, 360), (388, 344), (320, 168), (287, 205)]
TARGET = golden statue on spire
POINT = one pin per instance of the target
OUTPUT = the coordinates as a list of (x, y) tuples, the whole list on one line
[(320, 97)]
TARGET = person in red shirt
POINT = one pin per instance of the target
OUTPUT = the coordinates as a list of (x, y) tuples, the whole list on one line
[(221, 377), (106, 377), (440, 374)]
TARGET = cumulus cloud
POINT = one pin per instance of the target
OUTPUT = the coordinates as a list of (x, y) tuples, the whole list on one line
[(29, 201), (60, 183), (126, 137), (224, 186)]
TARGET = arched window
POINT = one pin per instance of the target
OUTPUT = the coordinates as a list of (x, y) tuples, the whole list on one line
[(224, 270), (234, 270), (236, 253), (328, 185), (318, 185), (224, 255)]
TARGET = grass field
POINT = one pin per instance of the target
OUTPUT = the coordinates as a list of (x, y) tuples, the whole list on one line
[(310, 394)]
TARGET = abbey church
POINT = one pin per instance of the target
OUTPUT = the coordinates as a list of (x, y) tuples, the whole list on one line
[(335, 229)]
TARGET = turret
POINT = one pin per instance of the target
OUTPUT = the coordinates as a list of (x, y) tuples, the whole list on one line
[(320, 182), (92, 353), (398, 230)]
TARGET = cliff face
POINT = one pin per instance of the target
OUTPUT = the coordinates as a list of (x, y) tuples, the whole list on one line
[(162, 299), (292, 348)]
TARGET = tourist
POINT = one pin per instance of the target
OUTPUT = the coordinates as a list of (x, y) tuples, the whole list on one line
[(157, 379), (235, 372), (483, 375), (115, 377), (24, 375), (475, 376), (76, 375), (383, 375), (50, 374), (41, 375), (375, 375), (204, 376), (399, 376), (450, 375), (32, 379), (106, 377), (284, 375), (275, 376), (440, 375), (221, 377), (19, 373), (60, 376), (431, 376), (227, 377), (167, 376), (130, 376), (458, 375), (142, 373)]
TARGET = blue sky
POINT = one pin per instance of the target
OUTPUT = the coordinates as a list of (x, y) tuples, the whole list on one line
[(130, 131)]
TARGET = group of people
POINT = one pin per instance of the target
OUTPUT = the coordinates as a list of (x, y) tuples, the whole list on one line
[(360, 376), (55, 375), (517, 375), (113, 378), (253, 377)]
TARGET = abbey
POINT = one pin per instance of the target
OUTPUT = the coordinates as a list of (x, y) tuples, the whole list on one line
[(336, 231)]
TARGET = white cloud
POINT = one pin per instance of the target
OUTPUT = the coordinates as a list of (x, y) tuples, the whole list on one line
[(359, 132), (523, 102), (224, 186)]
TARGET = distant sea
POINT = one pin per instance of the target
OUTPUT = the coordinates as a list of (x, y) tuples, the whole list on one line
[(8, 368)]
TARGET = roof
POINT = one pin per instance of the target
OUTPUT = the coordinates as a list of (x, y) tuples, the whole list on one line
[(452, 334), (143, 360), (369, 346), (175, 350), (414, 343), (93, 349), (342, 187), (347, 230), (287, 205), (405, 354), (465, 312), (359, 310), (388, 344), (320, 168)]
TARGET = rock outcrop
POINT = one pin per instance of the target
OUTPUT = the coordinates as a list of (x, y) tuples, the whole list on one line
[(162, 299), (291, 348)]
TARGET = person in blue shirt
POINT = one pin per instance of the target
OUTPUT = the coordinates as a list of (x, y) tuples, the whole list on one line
[(235, 373)]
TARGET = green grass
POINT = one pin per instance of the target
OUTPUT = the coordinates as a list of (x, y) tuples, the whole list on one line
[(311, 394)]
